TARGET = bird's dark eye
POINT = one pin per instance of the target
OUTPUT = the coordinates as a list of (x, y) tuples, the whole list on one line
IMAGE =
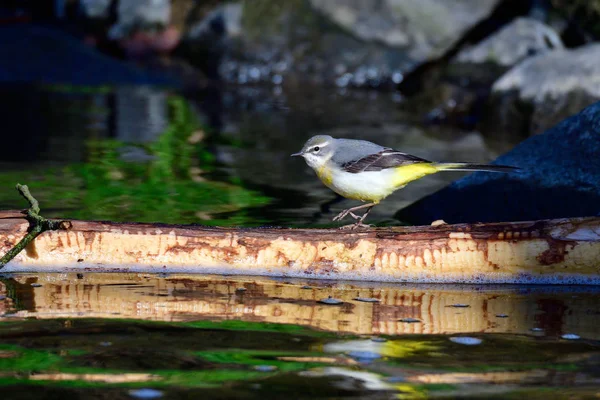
[(316, 148)]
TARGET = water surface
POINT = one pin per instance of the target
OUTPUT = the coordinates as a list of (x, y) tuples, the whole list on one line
[(127, 335), (151, 155)]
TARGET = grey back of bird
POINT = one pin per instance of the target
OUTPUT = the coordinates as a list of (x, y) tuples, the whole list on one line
[(348, 150)]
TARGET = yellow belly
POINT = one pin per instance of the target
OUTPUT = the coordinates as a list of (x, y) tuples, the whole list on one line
[(373, 186)]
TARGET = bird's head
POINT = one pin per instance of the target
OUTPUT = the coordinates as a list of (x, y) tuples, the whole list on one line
[(317, 150)]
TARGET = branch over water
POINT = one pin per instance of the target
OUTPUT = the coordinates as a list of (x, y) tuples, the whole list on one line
[(37, 225)]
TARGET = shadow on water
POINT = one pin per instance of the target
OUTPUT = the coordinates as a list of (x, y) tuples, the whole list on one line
[(126, 335)]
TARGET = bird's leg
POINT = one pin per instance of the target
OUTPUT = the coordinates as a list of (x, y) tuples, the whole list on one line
[(365, 215), (360, 219), (349, 211)]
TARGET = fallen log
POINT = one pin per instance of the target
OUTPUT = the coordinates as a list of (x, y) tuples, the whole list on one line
[(565, 251)]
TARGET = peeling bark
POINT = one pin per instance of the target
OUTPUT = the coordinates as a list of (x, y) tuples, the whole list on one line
[(554, 251)]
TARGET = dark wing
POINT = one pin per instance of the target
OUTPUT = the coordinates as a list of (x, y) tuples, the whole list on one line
[(387, 158)]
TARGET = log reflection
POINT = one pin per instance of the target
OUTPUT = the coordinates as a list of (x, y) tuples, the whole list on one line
[(500, 309)]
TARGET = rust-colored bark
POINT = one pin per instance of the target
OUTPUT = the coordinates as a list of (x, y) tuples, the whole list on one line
[(557, 251)]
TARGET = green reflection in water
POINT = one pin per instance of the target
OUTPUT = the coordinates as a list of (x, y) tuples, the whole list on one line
[(220, 356), (260, 358), (168, 188)]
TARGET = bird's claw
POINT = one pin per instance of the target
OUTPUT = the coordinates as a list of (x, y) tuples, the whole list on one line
[(352, 227)]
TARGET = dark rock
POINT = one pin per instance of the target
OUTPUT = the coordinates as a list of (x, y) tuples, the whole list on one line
[(543, 90), (582, 18), (561, 171), (32, 53)]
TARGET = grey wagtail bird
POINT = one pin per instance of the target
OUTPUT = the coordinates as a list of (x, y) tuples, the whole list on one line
[(365, 171)]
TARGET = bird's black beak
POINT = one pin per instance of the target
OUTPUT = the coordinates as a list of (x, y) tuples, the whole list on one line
[(296, 154)]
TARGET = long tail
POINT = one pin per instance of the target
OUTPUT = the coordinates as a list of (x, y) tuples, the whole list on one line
[(475, 167)]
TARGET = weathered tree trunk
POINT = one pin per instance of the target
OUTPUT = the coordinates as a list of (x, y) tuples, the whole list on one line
[(556, 251)]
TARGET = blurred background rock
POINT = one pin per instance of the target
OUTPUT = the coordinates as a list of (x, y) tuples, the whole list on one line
[(104, 101)]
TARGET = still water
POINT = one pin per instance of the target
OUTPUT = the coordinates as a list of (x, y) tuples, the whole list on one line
[(176, 336), (97, 153), (150, 155)]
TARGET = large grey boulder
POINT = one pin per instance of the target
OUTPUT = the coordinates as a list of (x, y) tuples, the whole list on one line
[(359, 43), (469, 76), (543, 90), (560, 178), (518, 40), (425, 29)]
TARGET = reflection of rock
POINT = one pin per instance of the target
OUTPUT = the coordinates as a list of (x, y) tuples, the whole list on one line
[(522, 38), (141, 114), (6, 303), (192, 297), (542, 90), (301, 40), (561, 171)]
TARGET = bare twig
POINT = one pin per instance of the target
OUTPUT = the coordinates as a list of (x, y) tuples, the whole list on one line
[(37, 225)]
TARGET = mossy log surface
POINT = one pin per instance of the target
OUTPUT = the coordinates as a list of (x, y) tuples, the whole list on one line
[(565, 251)]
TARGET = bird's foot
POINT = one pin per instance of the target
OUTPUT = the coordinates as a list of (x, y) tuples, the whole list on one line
[(358, 225)]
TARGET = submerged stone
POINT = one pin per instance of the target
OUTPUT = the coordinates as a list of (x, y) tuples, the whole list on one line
[(145, 393), (265, 368), (570, 336), (466, 340), (410, 320), (377, 339), (364, 356), (367, 299), (331, 301)]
